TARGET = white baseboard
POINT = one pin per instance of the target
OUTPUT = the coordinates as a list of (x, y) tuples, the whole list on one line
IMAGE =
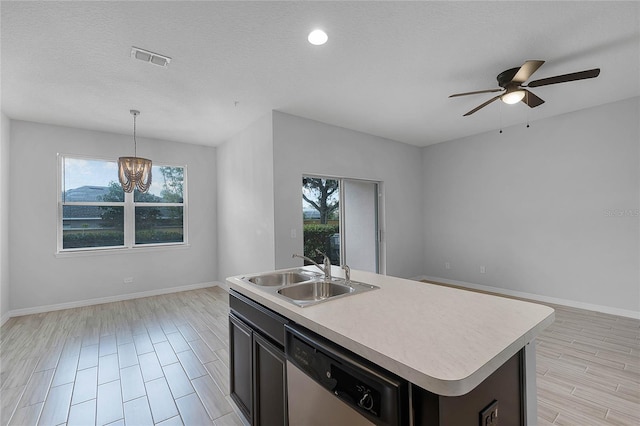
[(537, 297), (101, 300)]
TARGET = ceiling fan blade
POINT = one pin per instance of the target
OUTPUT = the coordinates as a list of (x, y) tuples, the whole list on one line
[(581, 75), (482, 106), (526, 70), (531, 99), (475, 93)]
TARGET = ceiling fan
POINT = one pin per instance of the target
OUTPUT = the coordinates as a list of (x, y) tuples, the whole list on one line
[(511, 84)]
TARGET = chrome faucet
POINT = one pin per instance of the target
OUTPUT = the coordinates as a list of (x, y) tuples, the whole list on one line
[(326, 261)]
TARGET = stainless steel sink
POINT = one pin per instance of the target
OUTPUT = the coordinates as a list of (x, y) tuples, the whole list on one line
[(304, 288), (281, 278), (315, 291)]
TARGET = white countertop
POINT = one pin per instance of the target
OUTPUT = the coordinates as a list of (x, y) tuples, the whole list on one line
[(442, 339)]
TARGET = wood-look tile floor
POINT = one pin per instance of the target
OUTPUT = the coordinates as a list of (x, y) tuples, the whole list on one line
[(158, 360), (588, 369), (164, 360)]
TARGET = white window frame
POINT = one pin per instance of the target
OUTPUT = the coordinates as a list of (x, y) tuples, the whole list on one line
[(129, 213)]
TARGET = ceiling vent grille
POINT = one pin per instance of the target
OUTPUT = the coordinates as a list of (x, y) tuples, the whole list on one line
[(147, 56)]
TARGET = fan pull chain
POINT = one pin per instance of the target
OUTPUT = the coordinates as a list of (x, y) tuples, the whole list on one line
[(526, 93), (500, 112)]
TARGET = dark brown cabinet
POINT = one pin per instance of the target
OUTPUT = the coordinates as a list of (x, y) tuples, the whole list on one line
[(270, 384), (258, 365), (241, 380)]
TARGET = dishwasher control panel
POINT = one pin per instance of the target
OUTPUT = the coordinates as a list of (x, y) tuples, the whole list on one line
[(355, 391), (357, 383)]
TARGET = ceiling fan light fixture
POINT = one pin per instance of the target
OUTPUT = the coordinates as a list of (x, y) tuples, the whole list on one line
[(512, 87), (513, 97)]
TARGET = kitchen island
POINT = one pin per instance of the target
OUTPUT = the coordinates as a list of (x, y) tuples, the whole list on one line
[(444, 341)]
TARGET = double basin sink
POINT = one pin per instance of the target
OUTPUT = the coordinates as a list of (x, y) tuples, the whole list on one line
[(304, 288)]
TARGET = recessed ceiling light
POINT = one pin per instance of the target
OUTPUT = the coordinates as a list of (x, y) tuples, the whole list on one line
[(317, 37), (147, 56)]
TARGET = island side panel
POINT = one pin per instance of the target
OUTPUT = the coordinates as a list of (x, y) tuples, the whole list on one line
[(531, 390), (505, 385)]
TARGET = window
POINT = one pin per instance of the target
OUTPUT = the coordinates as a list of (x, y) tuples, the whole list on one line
[(159, 214), (95, 213)]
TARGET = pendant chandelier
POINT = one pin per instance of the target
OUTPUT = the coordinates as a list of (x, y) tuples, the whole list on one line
[(134, 172)]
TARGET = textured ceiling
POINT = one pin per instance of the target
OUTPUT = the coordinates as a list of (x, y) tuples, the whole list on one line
[(387, 68)]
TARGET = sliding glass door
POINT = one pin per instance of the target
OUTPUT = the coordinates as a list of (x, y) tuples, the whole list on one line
[(341, 219)]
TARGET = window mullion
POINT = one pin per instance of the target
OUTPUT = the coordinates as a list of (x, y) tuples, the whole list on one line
[(129, 220)]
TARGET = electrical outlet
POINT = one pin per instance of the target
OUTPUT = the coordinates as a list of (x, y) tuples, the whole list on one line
[(447, 265), (489, 416), (482, 269), (127, 280)]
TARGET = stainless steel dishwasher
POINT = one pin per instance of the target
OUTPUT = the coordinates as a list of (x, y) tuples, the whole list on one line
[(328, 385)]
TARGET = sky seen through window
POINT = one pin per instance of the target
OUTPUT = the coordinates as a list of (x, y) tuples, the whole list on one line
[(81, 172)]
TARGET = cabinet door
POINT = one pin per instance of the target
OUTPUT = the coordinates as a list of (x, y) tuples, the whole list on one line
[(270, 391), (241, 383)]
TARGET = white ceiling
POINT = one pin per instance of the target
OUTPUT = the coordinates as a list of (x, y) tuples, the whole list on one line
[(387, 68)]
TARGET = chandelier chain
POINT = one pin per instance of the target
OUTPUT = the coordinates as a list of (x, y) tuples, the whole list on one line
[(135, 143)]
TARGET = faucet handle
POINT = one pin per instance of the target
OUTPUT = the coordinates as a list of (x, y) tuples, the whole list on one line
[(347, 272)]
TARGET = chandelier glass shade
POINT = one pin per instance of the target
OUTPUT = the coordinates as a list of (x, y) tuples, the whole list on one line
[(134, 172)]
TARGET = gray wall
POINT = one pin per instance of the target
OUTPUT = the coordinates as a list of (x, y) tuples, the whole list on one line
[(5, 126), (39, 278), (245, 201), (303, 146), (551, 210)]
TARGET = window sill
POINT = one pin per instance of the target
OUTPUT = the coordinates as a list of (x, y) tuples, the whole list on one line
[(121, 250)]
